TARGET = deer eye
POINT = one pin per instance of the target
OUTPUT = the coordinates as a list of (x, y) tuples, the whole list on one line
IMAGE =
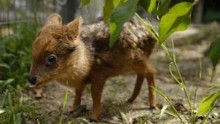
[(51, 59)]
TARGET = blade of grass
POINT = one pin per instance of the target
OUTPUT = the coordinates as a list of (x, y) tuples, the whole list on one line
[(163, 110), (193, 114), (171, 104), (38, 122), (171, 113), (182, 83), (11, 108), (124, 118), (64, 105)]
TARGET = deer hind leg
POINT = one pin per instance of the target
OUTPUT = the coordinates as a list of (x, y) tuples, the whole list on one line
[(137, 88), (151, 88), (145, 70)]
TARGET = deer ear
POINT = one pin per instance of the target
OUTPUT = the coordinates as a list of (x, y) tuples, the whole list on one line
[(73, 28), (54, 19)]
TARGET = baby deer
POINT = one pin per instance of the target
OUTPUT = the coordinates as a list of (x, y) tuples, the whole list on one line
[(73, 55)]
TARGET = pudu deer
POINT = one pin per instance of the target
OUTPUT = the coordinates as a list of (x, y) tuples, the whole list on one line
[(75, 54)]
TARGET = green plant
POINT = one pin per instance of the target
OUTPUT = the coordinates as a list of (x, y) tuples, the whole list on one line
[(177, 18), (14, 107), (207, 105), (15, 59), (64, 105), (15, 53), (213, 53)]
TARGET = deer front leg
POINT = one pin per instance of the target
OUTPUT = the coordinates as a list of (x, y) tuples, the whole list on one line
[(78, 95), (96, 89)]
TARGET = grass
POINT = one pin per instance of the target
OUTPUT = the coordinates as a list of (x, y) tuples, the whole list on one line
[(207, 104), (15, 54), (16, 110)]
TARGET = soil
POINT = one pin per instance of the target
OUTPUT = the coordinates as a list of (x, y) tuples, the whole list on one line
[(192, 64)]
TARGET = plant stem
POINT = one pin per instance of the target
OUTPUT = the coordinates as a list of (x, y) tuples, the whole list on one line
[(171, 104), (148, 26), (182, 81), (64, 105)]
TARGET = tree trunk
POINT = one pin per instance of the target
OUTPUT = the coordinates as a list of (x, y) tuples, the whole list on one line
[(198, 13), (69, 9)]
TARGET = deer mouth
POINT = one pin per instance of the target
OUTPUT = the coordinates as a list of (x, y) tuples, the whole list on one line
[(34, 85)]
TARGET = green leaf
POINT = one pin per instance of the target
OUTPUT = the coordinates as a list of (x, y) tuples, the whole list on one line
[(208, 103), (152, 6), (3, 84), (119, 16), (116, 3), (148, 5), (4, 65), (109, 6), (214, 52), (162, 7), (176, 19), (148, 26), (18, 119), (83, 3)]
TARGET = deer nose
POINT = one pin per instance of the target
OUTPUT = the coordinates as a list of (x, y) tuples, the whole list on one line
[(32, 79)]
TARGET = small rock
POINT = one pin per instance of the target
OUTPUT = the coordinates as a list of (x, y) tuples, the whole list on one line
[(115, 118), (38, 93), (215, 115)]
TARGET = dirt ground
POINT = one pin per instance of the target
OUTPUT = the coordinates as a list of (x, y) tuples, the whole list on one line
[(192, 63)]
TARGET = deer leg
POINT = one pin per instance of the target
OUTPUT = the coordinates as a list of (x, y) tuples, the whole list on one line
[(145, 68), (137, 88), (78, 95), (96, 88), (151, 87)]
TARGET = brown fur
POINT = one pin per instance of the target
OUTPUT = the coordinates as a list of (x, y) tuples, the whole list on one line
[(84, 56)]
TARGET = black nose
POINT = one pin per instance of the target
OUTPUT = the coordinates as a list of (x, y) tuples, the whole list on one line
[(32, 79)]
